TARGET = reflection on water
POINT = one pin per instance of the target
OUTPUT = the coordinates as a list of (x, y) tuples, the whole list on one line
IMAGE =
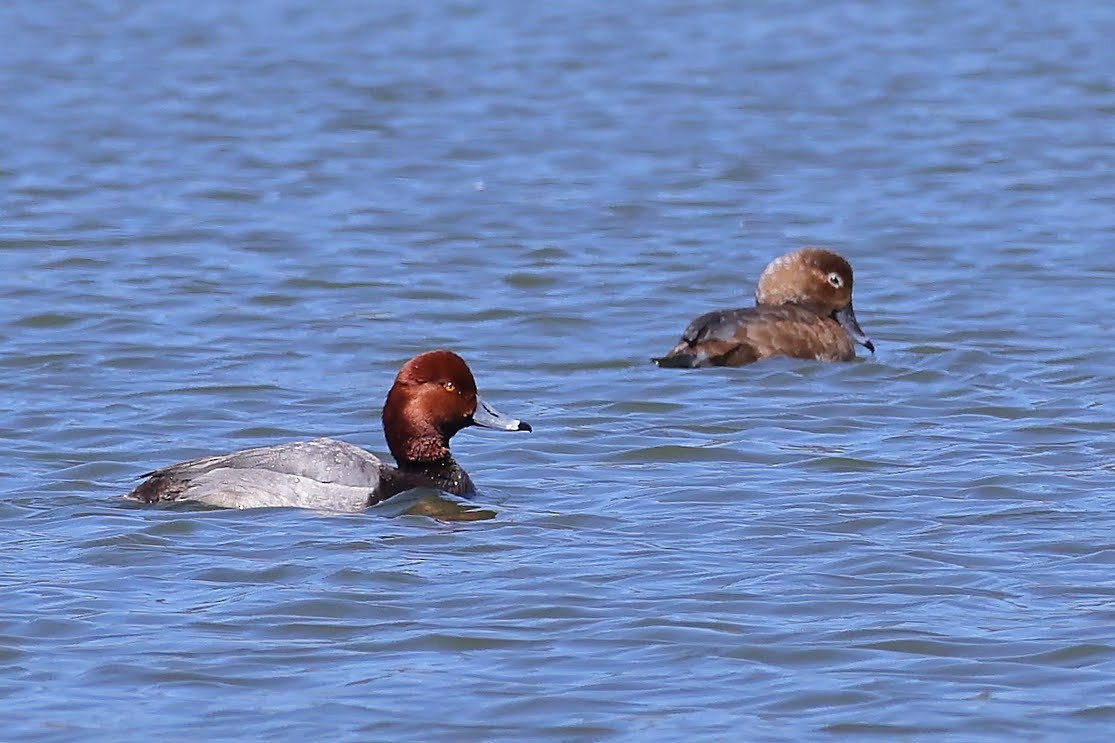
[(435, 505)]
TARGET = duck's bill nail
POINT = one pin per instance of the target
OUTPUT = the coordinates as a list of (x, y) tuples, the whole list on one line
[(488, 417), (846, 316)]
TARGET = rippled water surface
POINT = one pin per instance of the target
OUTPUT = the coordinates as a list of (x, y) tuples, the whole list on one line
[(228, 224)]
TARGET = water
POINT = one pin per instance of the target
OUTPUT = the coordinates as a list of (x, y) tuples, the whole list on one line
[(228, 224)]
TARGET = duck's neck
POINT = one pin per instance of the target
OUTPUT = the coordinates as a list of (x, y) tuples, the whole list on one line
[(444, 474)]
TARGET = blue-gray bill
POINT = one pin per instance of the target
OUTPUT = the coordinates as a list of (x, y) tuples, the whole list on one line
[(488, 417), (846, 316)]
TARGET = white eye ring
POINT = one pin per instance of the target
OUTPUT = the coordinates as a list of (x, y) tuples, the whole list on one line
[(835, 280)]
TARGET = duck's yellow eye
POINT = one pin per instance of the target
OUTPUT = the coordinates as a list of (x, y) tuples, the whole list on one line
[(449, 386)]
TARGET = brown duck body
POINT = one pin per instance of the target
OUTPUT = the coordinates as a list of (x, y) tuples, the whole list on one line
[(742, 336)]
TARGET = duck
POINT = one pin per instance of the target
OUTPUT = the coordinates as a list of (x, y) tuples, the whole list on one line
[(803, 309), (433, 397)]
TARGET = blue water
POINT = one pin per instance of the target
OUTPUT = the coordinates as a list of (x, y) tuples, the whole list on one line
[(228, 224)]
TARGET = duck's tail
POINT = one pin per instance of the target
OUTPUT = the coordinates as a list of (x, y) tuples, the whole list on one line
[(677, 361)]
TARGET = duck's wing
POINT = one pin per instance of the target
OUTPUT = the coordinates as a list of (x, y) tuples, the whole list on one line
[(321, 473), (713, 339)]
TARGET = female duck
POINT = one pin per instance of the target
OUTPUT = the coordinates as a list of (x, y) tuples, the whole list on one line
[(803, 309), (433, 397)]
